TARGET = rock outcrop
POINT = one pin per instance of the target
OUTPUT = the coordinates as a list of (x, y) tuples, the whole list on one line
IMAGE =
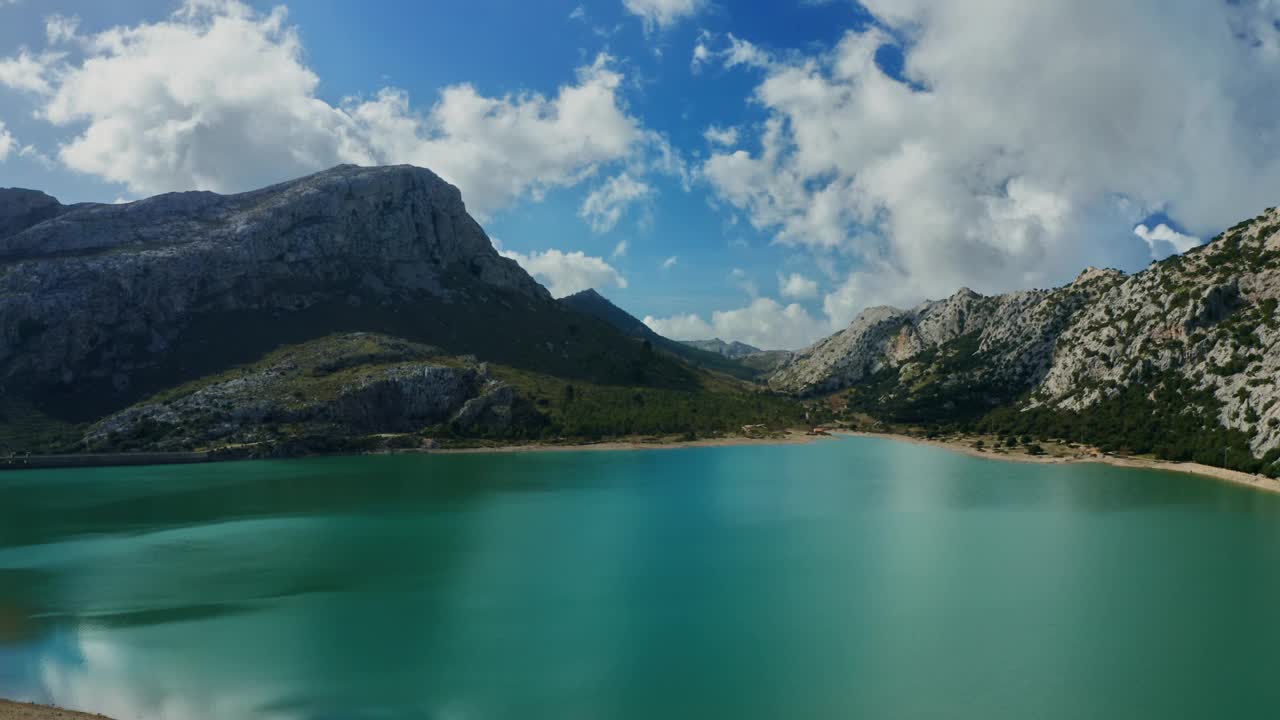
[(98, 291), (348, 385), (20, 209), (1209, 316)]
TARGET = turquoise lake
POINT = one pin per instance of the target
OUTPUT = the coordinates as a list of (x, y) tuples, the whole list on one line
[(850, 578)]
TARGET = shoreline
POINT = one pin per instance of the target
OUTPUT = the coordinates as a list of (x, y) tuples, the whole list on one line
[(1083, 455), (12, 710), (962, 444), (126, 459), (788, 437)]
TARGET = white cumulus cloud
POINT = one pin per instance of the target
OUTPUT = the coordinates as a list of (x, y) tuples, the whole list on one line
[(604, 206), (7, 142), (1026, 142), (742, 280), (27, 72), (670, 262), (701, 55), (797, 286), (218, 96), (60, 28), (567, 273), (663, 13), (499, 149), (725, 137), (620, 250), (764, 323), (1165, 241)]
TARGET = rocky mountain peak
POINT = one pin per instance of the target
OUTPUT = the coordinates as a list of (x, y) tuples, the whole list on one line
[(1091, 273), (1198, 332), (588, 294), (874, 316), (94, 290), (731, 349), (21, 208)]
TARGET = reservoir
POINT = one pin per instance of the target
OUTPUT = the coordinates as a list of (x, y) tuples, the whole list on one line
[(848, 578)]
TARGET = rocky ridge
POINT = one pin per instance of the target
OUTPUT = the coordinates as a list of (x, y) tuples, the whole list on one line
[(97, 291), (593, 303), (731, 349), (343, 311), (1209, 317)]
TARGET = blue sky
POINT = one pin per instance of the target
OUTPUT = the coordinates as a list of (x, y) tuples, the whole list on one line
[(759, 171)]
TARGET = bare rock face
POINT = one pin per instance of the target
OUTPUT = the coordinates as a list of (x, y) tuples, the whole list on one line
[(490, 411), (20, 209), (352, 385), (404, 398), (846, 357), (96, 291), (1210, 316)]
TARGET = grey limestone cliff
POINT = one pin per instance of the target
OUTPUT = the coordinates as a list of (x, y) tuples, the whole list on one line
[(1209, 316), (348, 385), (97, 291)]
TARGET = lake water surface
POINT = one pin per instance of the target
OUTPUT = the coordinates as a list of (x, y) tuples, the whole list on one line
[(853, 578)]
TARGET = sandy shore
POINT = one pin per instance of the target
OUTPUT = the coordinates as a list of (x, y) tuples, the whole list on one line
[(1058, 454), (791, 437), (24, 711)]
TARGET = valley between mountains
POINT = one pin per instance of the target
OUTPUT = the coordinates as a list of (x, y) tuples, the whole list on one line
[(362, 308)]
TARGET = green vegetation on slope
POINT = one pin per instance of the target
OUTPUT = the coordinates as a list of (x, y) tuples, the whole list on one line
[(1166, 415), (940, 385), (592, 411), (306, 384), (590, 302), (501, 327), (1159, 364), (24, 428)]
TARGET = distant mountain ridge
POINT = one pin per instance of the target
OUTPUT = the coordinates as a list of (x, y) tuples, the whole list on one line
[(593, 303), (1182, 358), (732, 349), (762, 361)]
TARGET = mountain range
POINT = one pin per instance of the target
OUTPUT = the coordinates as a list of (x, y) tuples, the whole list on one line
[(360, 306), (351, 302), (731, 349), (1181, 359)]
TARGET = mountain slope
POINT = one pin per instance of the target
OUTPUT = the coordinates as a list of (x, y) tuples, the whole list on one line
[(732, 349), (20, 209), (763, 362), (103, 306), (106, 295), (596, 305), (1182, 358)]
